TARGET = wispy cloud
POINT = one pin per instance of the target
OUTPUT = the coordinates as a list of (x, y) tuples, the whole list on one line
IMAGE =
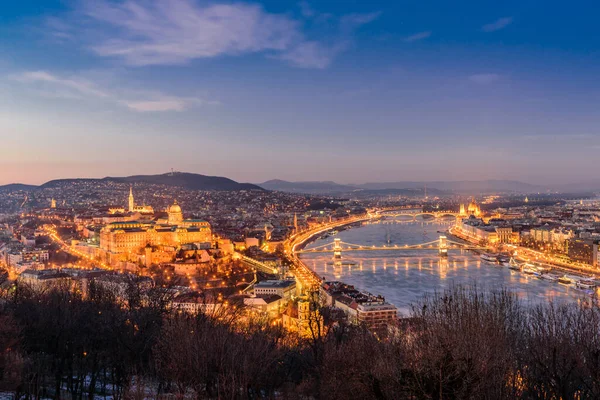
[(59, 30), (350, 22), (500, 23), (484, 79), (418, 36), (164, 103), (49, 85), (73, 85), (169, 32), (311, 55)]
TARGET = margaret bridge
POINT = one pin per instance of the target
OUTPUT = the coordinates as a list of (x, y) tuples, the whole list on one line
[(412, 214)]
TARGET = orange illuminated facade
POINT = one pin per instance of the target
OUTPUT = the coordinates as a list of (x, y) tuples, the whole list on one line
[(132, 237)]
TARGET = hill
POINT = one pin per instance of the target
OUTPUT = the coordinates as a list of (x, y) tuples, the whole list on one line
[(593, 185), (180, 179), (17, 186)]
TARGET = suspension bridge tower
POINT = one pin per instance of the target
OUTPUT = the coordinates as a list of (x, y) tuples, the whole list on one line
[(443, 247), (337, 249)]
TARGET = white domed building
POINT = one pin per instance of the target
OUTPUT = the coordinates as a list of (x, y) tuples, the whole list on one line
[(175, 214), (132, 236)]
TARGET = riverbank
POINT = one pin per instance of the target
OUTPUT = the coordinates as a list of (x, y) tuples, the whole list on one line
[(534, 256), (404, 278), (306, 277)]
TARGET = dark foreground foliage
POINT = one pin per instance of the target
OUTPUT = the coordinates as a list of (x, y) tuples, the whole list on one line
[(461, 344)]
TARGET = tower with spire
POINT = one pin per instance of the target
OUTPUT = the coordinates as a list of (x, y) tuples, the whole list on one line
[(295, 222), (131, 201)]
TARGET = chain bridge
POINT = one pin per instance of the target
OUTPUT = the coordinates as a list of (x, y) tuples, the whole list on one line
[(442, 245)]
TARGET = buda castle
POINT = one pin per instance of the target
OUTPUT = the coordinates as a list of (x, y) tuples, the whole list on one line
[(133, 236)]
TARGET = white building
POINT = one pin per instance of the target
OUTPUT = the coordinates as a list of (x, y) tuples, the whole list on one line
[(285, 289)]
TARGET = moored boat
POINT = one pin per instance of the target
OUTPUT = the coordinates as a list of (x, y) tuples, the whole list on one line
[(504, 260), (565, 280), (585, 284), (512, 264), (549, 277), (489, 257), (529, 269), (542, 268)]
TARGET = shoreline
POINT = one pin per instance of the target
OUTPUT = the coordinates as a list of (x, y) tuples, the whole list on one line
[(585, 271), (303, 271), (367, 290)]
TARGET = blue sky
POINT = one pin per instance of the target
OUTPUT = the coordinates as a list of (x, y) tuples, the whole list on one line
[(350, 91)]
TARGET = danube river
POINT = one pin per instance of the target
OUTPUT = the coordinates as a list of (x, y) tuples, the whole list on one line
[(404, 277)]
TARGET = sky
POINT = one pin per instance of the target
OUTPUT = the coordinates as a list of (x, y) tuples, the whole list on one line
[(350, 91)]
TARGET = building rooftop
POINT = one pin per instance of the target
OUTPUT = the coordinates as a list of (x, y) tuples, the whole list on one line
[(275, 284)]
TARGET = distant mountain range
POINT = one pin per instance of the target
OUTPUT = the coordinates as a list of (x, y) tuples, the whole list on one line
[(203, 182), (433, 187), (17, 186), (180, 179), (484, 186), (580, 186), (307, 187)]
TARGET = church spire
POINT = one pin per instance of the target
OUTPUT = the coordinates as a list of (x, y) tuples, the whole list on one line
[(131, 201)]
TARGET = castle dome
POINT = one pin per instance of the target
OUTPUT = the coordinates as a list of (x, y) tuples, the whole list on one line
[(175, 208)]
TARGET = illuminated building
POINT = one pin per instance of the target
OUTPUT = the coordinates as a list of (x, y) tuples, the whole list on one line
[(131, 201), (583, 250), (284, 289), (376, 314), (175, 214), (195, 303), (543, 234), (305, 320), (41, 278), (133, 236), (53, 203), (143, 209), (505, 234), (27, 257), (476, 229), (472, 209), (359, 307), (269, 304)]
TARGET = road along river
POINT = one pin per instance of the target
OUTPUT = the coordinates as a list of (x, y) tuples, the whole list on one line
[(404, 277)]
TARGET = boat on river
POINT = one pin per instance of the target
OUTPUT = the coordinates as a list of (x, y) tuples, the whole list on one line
[(504, 260), (586, 284), (549, 277), (512, 264), (530, 269), (565, 280), (489, 257)]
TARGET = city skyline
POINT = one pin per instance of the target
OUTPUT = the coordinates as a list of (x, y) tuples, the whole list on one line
[(300, 91)]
